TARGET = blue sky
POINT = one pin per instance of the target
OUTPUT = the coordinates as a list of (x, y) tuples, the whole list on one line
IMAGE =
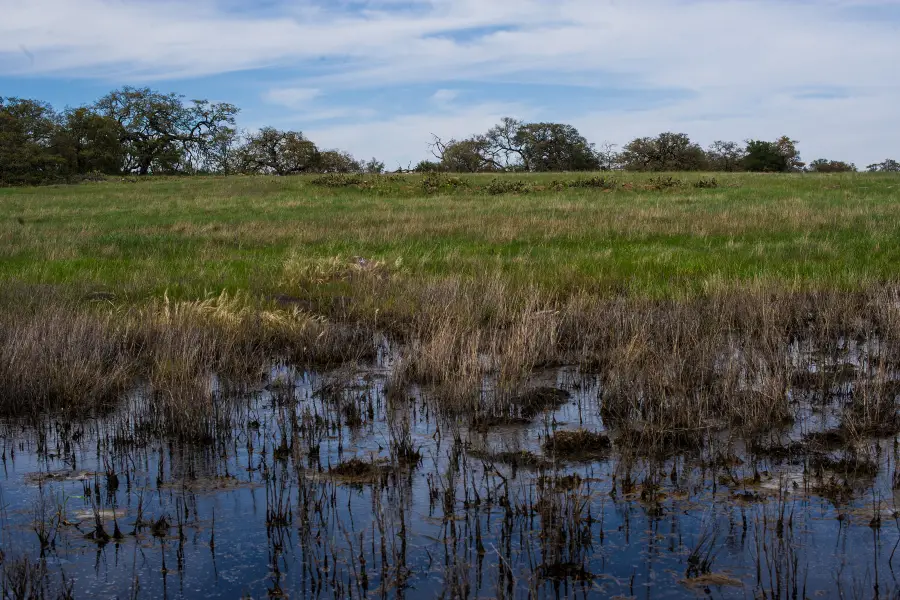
[(378, 77)]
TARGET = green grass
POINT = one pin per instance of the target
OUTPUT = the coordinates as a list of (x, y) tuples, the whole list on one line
[(193, 236)]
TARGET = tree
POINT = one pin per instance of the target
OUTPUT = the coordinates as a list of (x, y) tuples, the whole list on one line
[(272, 151), (822, 165), (788, 150), (555, 147), (221, 154), (90, 142), (336, 161), (427, 166), (608, 157), (472, 155), (28, 129), (725, 156), (888, 166), (666, 152), (161, 133), (374, 166), (764, 157), (780, 156), (505, 146)]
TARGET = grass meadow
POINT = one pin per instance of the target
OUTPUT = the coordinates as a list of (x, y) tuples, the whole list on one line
[(650, 279), (268, 236)]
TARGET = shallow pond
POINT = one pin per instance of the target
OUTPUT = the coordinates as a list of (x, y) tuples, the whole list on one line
[(431, 507)]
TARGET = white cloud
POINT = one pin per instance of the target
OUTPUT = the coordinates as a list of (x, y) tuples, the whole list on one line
[(444, 97), (291, 97), (741, 61)]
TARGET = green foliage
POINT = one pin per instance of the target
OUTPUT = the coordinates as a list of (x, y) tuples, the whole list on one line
[(780, 156), (888, 166), (725, 156), (464, 156), (160, 133), (705, 183), (336, 161), (596, 182), (764, 157), (514, 145), (143, 131), (437, 183), (373, 166), (338, 180), (549, 147), (428, 166), (666, 152), (28, 131), (822, 165), (499, 186), (666, 182), (274, 152), (91, 142)]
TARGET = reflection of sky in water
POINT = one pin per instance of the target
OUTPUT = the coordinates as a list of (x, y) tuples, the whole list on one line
[(635, 547)]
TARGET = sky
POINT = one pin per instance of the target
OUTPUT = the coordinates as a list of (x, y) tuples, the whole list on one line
[(379, 77)]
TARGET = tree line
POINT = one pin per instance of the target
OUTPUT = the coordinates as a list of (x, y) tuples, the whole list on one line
[(141, 131)]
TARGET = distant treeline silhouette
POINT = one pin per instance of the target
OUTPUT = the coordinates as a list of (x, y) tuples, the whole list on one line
[(139, 131)]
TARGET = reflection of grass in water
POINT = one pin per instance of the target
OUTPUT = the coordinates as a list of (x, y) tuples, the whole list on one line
[(561, 510)]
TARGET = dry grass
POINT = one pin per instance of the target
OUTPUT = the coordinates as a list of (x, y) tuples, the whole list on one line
[(56, 354), (54, 358), (668, 367)]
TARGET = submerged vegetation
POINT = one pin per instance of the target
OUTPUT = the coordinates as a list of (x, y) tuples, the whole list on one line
[(470, 386)]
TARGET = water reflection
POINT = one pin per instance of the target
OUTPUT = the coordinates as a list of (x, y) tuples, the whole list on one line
[(322, 485)]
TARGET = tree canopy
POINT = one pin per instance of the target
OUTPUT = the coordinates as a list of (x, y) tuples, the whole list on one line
[(159, 131), (144, 131), (666, 152)]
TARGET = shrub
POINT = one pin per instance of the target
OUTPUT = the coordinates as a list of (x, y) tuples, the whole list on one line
[(338, 180), (664, 183), (433, 183), (706, 183), (506, 186), (597, 182)]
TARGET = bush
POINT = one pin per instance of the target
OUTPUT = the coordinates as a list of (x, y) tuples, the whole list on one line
[(338, 180), (506, 186), (706, 183), (434, 183), (664, 183), (596, 182)]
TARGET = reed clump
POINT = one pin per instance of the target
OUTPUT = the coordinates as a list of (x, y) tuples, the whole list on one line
[(357, 470), (56, 357), (576, 444), (63, 355)]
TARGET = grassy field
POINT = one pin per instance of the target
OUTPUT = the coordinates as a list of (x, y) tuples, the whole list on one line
[(650, 280), (195, 236)]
